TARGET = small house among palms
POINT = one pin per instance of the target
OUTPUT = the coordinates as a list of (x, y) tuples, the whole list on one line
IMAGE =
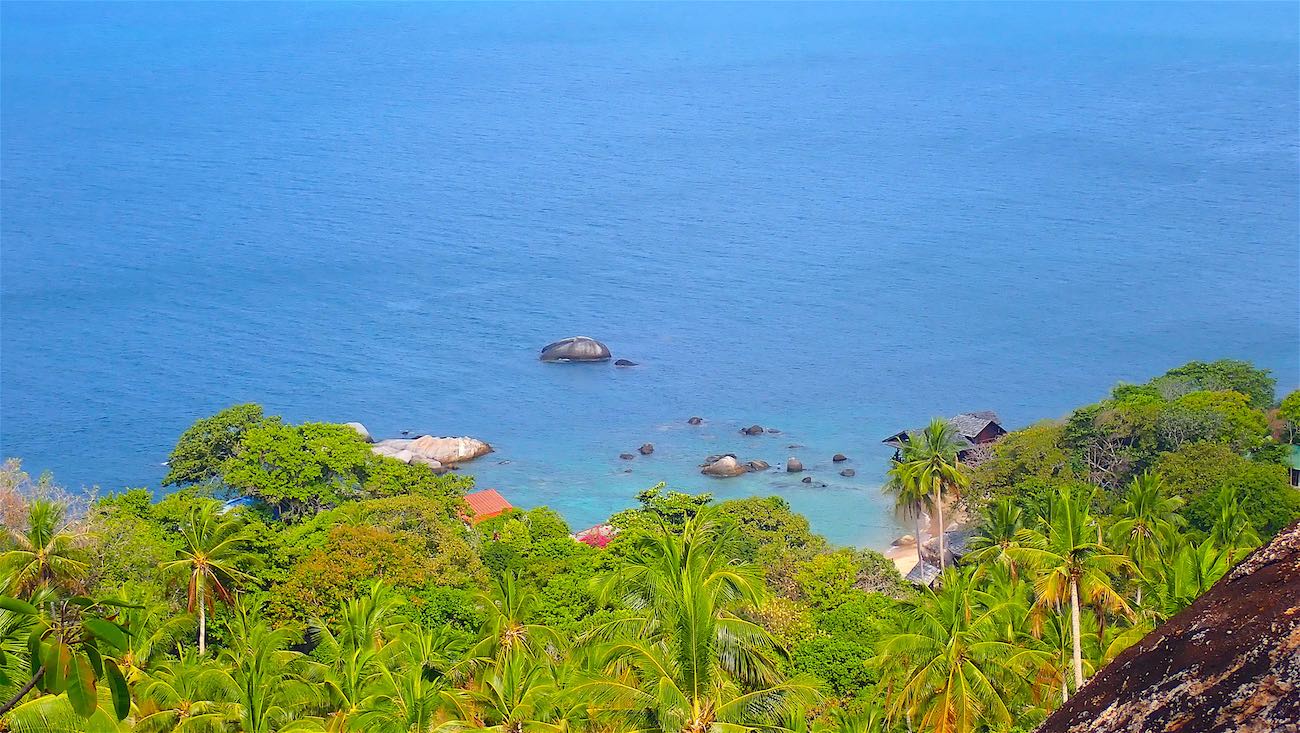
[(1293, 465), (977, 432)]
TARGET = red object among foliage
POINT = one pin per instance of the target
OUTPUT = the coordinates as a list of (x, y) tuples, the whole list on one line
[(597, 536), (485, 505)]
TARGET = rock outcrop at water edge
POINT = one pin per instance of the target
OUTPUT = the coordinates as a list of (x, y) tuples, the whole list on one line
[(575, 349)]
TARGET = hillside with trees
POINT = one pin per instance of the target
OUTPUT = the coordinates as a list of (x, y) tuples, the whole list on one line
[(294, 580)]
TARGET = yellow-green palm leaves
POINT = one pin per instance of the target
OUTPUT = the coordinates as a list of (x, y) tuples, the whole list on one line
[(928, 469), (210, 561), (1071, 566), (44, 553)]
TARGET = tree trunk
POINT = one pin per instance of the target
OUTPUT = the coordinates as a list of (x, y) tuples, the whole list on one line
[(1065, 689), (203, 620), (40, 672), (1074, 626), (938, 503), (919, 560)]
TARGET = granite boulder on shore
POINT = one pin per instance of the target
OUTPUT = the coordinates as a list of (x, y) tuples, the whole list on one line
[(434, 452)]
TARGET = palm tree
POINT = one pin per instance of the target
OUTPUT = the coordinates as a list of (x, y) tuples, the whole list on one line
[(1072, 564), (186, 695), (151, 632), (1144, 516), (683, 659), (930, 461), (210, 561), (950, 668), (44, 554), (276, 686), (414, 685), (910, 499), (1232, 529), (353, 654), (1002, 520), (520, 693), (1184, 577), (507, 627)]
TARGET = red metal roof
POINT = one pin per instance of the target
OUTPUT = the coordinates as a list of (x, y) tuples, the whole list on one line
[(486, 504)]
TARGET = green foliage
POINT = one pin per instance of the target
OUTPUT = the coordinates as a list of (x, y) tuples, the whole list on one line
[(1224, 375), (1219, 417), (302, 469), (204, 448), (1198, 471), (1289, 413), (1036, 452)]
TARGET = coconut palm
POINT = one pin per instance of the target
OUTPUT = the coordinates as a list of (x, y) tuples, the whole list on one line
[(1144, 516), (413, 688), (1181, 579), (930, 461), (910, 498), (1071, 565), (507, 627), (950, 668), (997, 533), (151, 632), (276, 686), (211, 561), (45, 553), (519, 693), (1232, 529), (683, 659), (353, 652), (186, 695)]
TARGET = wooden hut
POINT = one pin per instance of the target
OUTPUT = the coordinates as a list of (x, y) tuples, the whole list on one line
[(976, 431)]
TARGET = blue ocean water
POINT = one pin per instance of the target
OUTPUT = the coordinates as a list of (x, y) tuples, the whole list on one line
[(838, 220)]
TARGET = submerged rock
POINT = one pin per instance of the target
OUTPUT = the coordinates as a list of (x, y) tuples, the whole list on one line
[(839, 458), (807, 479), (793, 465), (752, 430), (646, 449), (848, 473), (624, 363), (626, 456), (695, 421), (757, 465), (575, 348)]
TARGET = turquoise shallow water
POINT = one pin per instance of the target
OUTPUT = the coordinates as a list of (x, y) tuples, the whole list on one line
[(838, 220)]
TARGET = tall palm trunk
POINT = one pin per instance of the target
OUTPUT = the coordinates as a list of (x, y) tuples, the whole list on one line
[(1065, 689), (1074, 626), (938, 503), (919, 559), (203, 619)]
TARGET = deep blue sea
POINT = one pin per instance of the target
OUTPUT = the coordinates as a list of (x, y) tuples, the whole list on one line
[(838, 220)]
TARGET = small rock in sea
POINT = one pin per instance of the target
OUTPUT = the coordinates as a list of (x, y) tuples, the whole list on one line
[(906, 539), (807, 479), (627, 470), (839, 458), (624, 363), (695, 421), (646, 449), (752, 430), (774, 431), (794, 465), (716, 457), (757, 465), (503, 463), (794, 446), (848, 473), (626, 456)]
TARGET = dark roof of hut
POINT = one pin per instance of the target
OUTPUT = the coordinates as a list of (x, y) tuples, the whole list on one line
[(1228, 662), (968, 425), (923, 573)]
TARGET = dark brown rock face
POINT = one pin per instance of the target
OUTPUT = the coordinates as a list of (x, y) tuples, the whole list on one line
[(1228, 662)]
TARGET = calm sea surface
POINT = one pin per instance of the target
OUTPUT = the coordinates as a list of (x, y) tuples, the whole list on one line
[(838, 220)]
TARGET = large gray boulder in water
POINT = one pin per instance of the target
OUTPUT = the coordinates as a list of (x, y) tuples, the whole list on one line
[(575, 348), (429, 450)]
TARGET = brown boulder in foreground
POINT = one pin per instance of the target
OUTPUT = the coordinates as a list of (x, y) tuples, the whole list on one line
[(1228, 662)]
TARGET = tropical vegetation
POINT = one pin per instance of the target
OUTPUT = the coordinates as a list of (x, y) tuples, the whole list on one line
[(292, 580)]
